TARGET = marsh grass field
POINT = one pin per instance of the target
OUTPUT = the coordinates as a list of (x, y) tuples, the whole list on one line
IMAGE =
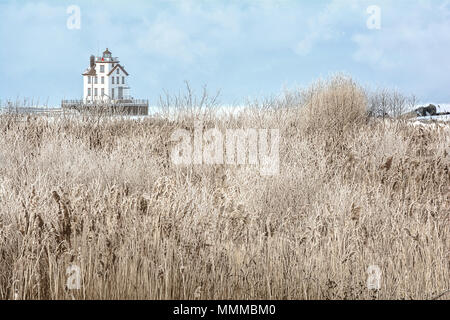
[(104, 195)]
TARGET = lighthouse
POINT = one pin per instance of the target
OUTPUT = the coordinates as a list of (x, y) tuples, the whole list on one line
[(105, 80), (105, 84)]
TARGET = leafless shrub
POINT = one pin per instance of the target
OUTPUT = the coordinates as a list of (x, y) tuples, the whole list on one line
[(188, 106), (334, 105), (390, 103)]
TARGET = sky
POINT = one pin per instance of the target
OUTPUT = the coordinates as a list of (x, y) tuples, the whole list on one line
[(245, 48)]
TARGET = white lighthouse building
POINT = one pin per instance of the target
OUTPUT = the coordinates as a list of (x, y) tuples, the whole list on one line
[(105, 79), (105, 84)]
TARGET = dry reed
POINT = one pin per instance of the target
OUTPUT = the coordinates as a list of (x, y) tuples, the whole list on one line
[(104, 195)]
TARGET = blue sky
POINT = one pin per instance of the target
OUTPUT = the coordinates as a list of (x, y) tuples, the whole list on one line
[(245, 48)]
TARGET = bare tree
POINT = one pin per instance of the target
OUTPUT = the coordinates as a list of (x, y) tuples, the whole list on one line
[(390, 103), (412, 102), (379, 103), (397, 104)]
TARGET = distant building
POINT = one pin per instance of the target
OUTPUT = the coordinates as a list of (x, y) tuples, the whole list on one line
[(105, 83), (105, 79)]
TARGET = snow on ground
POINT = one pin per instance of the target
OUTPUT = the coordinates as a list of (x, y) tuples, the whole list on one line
[(444, 118)]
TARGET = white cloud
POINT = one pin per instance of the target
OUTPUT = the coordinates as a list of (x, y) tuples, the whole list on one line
[(169, 40), (369, 51), (328, 24), (194, 30), (412, 46), (415, 37)]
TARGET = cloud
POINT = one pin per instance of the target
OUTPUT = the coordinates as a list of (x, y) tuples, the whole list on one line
[(193, 30), (329, 24), (370, 51), (169, 40), (409, 50), (415, 33), (188, 32), (414, 41)]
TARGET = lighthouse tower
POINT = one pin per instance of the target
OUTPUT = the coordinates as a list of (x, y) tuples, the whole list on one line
[(106, 80)]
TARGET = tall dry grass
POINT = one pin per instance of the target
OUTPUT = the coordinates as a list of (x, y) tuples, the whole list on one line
[(104, 195)]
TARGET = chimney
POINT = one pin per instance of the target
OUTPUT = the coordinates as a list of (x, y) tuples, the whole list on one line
[(92, 62)]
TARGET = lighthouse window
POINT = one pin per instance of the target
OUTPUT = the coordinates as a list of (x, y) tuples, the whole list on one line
[(102, 69), (103, 80), (89, 80), (112, 80), (117, 80)]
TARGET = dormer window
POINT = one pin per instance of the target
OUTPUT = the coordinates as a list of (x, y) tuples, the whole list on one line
[(102, 69), (112, 80), (118, 70)]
